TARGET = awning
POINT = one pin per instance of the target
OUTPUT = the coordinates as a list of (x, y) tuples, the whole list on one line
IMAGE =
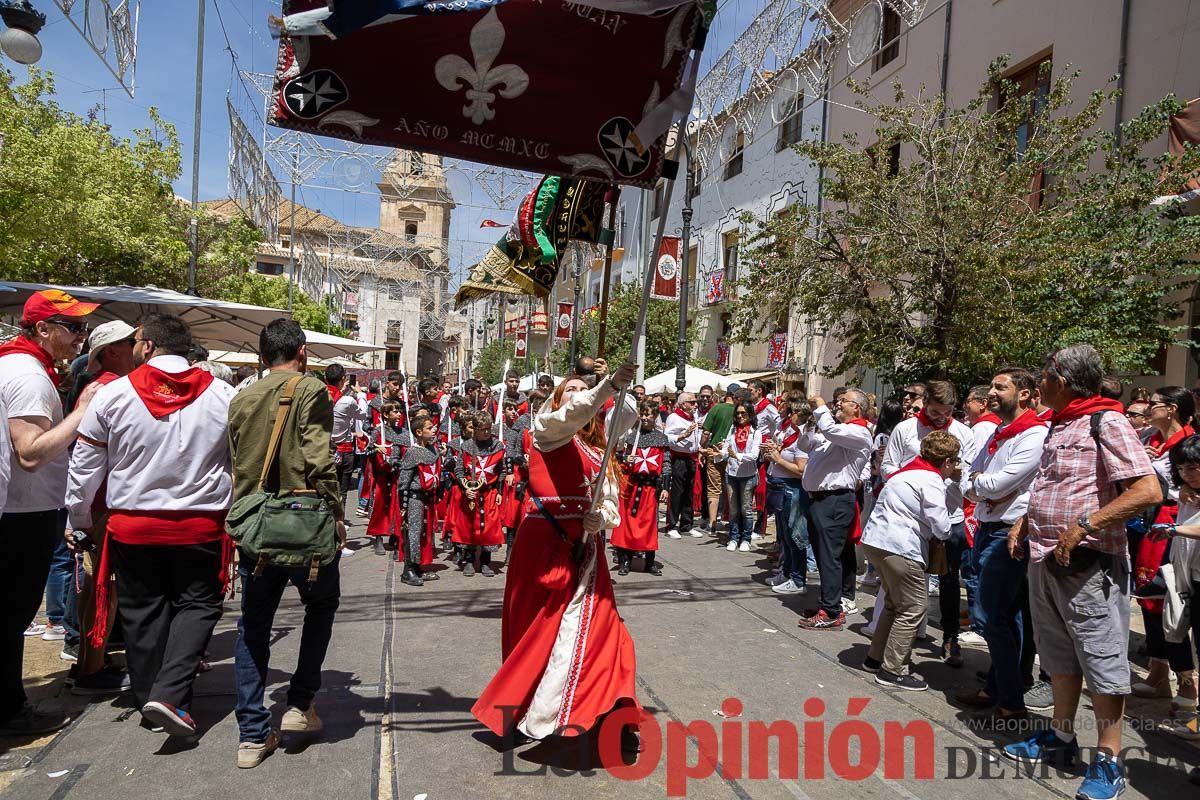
[(214, 323), (694, 378), (326, 345)]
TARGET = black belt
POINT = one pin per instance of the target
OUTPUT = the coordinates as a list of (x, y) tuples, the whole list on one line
[(821, 495)]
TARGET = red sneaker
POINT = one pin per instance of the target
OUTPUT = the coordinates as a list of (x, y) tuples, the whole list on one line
[(823, 622)]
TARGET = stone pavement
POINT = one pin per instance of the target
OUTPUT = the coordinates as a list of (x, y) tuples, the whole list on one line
[(406, 664)]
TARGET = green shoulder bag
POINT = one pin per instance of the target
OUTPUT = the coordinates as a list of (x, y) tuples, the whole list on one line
[(287, 527)]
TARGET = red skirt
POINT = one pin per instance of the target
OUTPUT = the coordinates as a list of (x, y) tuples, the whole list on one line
[(760, 491), (483, 525), (385, 510), (368, 482), (451, 511), (513, 506), (426, 535), (640, 531), (568, 658)]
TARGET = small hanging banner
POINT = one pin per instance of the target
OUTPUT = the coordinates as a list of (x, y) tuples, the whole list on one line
[(722, 354), (666, 271), (777, 353), (522, 347), (562, 323)]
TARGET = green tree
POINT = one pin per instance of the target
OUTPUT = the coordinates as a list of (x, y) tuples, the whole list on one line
[(262, 290), (492, 357), (952, 266), (662, 332)]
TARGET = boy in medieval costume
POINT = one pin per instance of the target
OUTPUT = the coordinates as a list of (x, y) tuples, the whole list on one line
[(388, 443), (647, 466), (417, 485), (480, 472)]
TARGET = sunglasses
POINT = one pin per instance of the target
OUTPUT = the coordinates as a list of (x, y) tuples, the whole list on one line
[(76, 328)]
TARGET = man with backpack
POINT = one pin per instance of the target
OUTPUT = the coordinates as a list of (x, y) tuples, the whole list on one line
[(302, 464), (1094, 475)]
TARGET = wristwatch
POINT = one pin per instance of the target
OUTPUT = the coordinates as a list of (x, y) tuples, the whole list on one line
[(1086, 525)]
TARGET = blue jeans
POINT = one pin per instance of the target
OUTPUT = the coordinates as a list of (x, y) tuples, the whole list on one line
[(970, 579), (60, 585), (740, 494), (948, 596), (791, 526), (252, 652), (1002, 590)]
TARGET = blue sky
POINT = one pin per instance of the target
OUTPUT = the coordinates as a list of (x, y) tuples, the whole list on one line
[(166, 79)]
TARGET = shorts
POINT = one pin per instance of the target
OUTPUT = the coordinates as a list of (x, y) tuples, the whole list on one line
[(1081, 623), (714, 478)]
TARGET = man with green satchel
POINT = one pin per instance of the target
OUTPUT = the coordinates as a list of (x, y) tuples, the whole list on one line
[(288, 522)]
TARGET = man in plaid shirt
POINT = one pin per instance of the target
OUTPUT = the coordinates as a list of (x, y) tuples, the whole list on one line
[(1079, 569)]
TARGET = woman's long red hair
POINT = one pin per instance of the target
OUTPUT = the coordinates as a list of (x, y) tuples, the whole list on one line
[(592, 433)]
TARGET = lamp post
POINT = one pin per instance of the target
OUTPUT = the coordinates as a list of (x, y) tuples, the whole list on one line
[(574, 315), (686, 213), (19, 39), (194, 222)]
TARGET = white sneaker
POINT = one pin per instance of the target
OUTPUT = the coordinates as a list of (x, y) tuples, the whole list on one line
[(674, 534), (849, 606), (731, 546), (777, 580), (934, 587), (755, 537), (297, 721), (54, 633), (744, 547), (35, 629), (869, 580), (971, 639), (789, 587), (696, 534)]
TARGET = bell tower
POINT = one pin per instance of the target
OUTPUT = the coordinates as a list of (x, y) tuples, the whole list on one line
[(415, 202)]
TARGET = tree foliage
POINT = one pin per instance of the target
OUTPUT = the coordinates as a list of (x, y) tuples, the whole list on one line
[(662, 332), (80, 206), (492, 357), (262, 290), (951, 266)]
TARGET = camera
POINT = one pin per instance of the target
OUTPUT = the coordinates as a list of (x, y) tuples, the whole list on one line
[(83, 542)]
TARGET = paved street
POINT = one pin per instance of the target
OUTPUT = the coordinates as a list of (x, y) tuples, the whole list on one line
[(406, 664)]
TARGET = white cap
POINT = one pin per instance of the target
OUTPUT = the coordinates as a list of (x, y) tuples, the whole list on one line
[(103, 336)]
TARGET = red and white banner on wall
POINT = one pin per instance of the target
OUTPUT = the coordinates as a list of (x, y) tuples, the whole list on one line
[(562, 322), (521, 349), (666, 270), (777, 353)]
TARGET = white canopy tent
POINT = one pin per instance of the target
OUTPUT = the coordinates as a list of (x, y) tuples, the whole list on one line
[(327, 346), (527, 384), (239, 359), (694, 378)]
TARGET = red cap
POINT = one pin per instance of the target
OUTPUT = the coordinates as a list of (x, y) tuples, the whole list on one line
[(48, 303)]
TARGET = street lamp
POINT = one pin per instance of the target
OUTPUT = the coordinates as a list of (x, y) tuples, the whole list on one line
[(686, 213), (575, 314), (19, 40)]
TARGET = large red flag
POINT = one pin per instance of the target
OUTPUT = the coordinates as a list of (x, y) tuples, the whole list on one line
[(666, 271)]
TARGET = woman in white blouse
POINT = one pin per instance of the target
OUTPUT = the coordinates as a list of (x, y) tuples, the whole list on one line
[(741, 475)]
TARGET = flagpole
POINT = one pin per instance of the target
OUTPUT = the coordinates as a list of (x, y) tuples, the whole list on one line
[(612, 196)]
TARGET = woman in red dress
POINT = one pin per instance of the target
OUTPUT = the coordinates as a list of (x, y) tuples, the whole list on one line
[(567, 658)]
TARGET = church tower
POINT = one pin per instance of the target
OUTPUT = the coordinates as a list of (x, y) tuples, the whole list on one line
[(415, 202)]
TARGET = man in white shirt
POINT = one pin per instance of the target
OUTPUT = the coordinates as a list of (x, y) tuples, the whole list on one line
[(982, 421), (346, 415), (905, 445), (998, 484), (683, 439), (838, 450), (52, 329), (159, 435)]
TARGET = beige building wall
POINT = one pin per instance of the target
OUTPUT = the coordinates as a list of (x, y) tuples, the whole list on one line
[(1162, 56)]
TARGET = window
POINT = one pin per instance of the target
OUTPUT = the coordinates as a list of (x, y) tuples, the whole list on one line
[(391, 360), (267, 268), (893, 164), (1033, 80), (410, 231), (730, 255), (657, 209), (733, 166), (693, 287), (890, 38), (790, 130)]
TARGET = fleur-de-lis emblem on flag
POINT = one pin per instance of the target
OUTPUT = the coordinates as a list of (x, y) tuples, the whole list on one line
[(482, 81)]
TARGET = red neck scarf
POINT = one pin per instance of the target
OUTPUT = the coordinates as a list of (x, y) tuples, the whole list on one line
[(859, 421), (335, 393), (789, 434), (989, 417), (27, 346), (1083, 406), (741, 435), (762, 404), (167, 392), (917, 463), (1160, 447), (1029, 419), (924, 419), (685, 415)]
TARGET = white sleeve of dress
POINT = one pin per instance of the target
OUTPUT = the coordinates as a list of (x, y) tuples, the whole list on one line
[(609, 507), (553, 429), (619, 422)]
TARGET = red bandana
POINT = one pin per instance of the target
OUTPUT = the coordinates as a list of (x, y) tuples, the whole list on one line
[(762, 404), (789, 439), (1029, 419), (917, 463), (860, 421), (685, 415), (335, 393), (23, 345), (1083, 406), (167, 392), (923, 418), (741, 435), (989, 417), (1160, 447)]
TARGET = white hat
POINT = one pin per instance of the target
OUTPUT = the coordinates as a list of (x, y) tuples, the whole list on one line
[(103, 336)]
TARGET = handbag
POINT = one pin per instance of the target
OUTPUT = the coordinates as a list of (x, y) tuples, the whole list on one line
[(938, 562), (286, 528)]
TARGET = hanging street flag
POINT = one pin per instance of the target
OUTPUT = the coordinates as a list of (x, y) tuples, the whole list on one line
[(525, 260), (522, 347), (777, 352), (666, 273), (582, 89), (722, 354), (562, 323), (716, 288), (491, 223)]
